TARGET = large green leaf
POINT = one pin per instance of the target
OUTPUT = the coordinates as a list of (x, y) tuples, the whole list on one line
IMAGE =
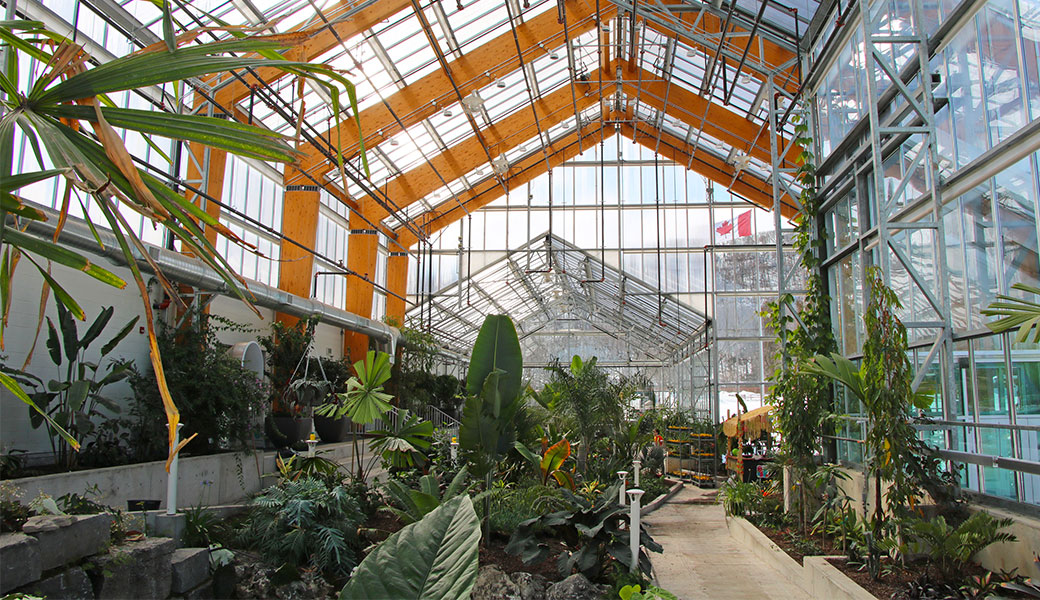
[(840, 369), (12, 386), (1016, 312), (434, 558), (61, 255), (496, 348)]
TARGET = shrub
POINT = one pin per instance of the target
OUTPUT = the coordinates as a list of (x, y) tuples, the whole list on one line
[(514, 505), (305, 523), (951, 548)]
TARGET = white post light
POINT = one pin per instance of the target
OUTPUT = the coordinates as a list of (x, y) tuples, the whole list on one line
[(454, 449), (621, 492), (637, 466), (311, 443), (633, 533), (171, 477)]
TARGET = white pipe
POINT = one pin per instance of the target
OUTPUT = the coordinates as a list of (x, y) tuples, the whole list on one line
[(193, 272), (636, 466), (634, 527), (621, 492), (171, 477)]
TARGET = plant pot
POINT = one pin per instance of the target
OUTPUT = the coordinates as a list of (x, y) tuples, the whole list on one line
[(332, 430), (137, 505), (295, 430)]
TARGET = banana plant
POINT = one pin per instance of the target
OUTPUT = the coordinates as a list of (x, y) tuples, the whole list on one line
[(56, 105), (402, 445)]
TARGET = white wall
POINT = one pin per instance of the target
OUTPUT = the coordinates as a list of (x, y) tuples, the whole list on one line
[(15, 430)]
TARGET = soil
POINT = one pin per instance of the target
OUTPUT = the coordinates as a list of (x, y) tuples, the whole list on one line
[(379, 526), (494, 553), (891, 585), (786, 539)]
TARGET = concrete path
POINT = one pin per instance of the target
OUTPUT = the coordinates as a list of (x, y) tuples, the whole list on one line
[(701, 560)]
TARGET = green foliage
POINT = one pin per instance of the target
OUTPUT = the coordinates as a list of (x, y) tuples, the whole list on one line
[(582, 399), (550, 464), (514, 504), (950, 548), (201, 527), (13, 514), (286, 348), (432, 558), (404, 444), (305, 523), (653, 486), (300, 466), (592, 531), (411, 505), (1016, 312), (739, 499), (218, 398), (635, 592), (76, 398)]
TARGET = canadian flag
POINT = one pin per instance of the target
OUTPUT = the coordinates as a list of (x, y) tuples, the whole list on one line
[(743, 225)]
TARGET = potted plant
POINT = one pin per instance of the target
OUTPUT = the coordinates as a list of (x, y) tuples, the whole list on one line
[(336, 374), (292, 390)]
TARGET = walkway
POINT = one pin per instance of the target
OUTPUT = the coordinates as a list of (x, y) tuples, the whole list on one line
[(701, 560)]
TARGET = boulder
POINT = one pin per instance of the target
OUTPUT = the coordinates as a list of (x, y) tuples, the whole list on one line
[(65, 539), (19, 561), (493, 584), (135, 570), (575, 587), (70, 584), (189, 567), (532, 587)]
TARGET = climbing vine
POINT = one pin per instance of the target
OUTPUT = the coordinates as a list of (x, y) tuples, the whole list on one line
[(802, 399)]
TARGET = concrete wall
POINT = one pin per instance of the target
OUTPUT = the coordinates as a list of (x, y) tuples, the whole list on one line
[(1019, 555), (93, 296), (215, 479)]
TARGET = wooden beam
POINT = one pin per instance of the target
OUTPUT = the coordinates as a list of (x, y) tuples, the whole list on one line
[(489, 190), (478, 68), (396, 282), (212, 184), (743, 184), (320, 40), (362, 255), (718, 122), (769, 53), (299, 222), (508, 133)]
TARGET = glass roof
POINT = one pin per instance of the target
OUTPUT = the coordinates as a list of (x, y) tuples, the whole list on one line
[(551, 287)]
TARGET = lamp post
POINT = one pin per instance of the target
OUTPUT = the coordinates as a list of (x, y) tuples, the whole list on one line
[(636, 466), (621, 492), (633, 534)]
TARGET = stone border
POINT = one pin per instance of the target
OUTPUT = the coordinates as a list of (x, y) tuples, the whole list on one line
[(660, 500), (816, 577)]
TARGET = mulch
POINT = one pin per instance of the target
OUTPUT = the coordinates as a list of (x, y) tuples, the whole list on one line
[(782, 538)]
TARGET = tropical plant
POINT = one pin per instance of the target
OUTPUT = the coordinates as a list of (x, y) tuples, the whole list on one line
[(515, 503), (1016, 312), (218, 398), (951, 548), (299, 466), (832, 499), (581, 395), (636, 592), (56, 105), (402, 445), (413, 504), (592, 531), (304, 523), (487, 431), (364, 401), (435, 557), (286, 349), (550, 464), (76, 397), (739, 499), (201, 527)]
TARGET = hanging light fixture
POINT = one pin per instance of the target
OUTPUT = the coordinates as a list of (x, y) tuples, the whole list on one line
[(500, 84), (447, 112), (394, 142)]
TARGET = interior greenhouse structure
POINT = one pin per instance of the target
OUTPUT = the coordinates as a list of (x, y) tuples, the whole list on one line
[(538, 299)]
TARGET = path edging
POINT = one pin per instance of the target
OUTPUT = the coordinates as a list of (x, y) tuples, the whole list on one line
[(815, 576), (660, 500)]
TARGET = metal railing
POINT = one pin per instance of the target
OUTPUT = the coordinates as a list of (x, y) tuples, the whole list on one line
[(440, 419)]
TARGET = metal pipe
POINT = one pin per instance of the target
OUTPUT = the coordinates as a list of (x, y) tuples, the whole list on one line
[(743, 57), (193, 272)]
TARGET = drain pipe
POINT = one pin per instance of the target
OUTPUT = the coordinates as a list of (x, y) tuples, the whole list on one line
[(193, 272)]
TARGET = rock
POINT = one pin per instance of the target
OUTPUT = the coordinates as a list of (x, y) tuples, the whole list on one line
[(135, 570), (66, 539), (189, 567), (532, 587), (203, 592), (493, 584), (71, 584), (575, 587), (19, 561)]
